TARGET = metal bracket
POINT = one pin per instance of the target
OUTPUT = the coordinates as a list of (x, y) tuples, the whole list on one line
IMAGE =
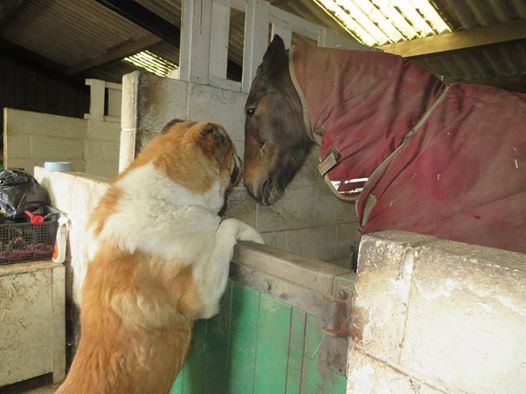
[(336, 322), (337, 318)]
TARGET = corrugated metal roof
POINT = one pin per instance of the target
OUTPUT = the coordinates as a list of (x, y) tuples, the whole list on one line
[(151, 62), (486, 64), (169, 10), (72, 32), (379, 22), (468, 14)]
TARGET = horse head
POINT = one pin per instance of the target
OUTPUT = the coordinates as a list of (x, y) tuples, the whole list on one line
[(276, 141)]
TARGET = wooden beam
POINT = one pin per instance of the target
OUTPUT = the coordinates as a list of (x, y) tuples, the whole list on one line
[(37, 62), (479, 36), (8, 9), (114, 54), (40, 64), (153, 23), (143, 17), (31, 57)]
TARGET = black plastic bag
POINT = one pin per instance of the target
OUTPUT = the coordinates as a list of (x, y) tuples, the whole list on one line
[(20, 192)]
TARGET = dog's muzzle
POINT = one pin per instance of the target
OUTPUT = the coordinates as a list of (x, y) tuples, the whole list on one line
[(235, 175)]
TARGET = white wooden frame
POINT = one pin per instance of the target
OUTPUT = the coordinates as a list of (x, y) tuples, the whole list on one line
[(98, 90), (205, 26)]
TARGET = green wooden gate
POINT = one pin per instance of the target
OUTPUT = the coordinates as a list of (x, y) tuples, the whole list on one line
[(259, 344)]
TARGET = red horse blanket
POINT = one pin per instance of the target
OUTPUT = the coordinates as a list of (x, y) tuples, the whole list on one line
[(449, 161)]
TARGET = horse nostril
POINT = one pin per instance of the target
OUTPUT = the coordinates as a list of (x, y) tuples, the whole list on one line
[(265, 192), (259, 191), (249, 189)]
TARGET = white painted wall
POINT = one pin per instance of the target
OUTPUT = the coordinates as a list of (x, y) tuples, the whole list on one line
[(76, 195), (30, 138), (101, 147)]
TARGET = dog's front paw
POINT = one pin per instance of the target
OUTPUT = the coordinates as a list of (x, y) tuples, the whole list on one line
[(248, 233), (242, 231)]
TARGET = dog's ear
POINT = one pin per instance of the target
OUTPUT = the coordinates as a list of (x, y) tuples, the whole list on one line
[(215, 142), (169, 125)]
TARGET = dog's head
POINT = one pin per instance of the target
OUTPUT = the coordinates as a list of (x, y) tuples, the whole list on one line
[(199, 156)]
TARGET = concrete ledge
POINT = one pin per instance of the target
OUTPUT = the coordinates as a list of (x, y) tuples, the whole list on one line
[(25, 267), (449, 315), (32, 329)]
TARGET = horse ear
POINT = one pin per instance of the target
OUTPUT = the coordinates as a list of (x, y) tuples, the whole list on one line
[(274, 55)]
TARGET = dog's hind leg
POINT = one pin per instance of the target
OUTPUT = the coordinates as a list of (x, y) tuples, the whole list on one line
[(212, 273)]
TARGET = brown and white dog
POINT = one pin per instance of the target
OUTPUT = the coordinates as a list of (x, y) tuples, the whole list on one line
[(159, 259)]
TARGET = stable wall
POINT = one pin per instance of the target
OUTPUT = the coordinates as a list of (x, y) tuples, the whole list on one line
[(30, 138), (434, 316), (76, 195), (308, 220), (101, 148)]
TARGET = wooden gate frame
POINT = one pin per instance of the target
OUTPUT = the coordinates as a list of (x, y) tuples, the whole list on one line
[(204, 56), (321, 289)]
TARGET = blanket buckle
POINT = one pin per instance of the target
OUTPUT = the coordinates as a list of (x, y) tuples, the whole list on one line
[(329, 161)]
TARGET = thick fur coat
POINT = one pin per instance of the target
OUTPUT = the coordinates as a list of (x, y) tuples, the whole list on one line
[(159, 259)]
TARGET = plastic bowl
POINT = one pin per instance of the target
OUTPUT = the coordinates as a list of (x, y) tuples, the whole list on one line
[(63, 166)]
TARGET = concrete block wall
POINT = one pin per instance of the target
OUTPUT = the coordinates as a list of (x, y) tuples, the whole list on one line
[(433, 316), (32, 331), (77, 195), (308, 221), (30, 138), (101, 148)]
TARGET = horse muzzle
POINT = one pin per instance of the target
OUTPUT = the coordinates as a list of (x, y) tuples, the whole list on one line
[(265, 193)]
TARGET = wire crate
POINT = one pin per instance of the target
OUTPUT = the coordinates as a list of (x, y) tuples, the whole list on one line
[(26, 241)]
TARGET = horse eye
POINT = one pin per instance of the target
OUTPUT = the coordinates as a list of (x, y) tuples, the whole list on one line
[(250, 111)]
